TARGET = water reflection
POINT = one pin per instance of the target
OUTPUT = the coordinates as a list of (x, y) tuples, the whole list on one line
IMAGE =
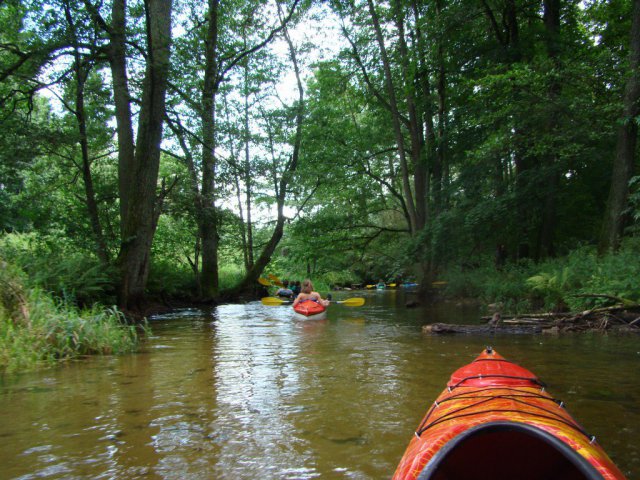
[(245, 390)]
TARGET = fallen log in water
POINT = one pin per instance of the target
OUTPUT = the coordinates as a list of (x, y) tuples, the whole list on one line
[(618, 318), (447, 329)]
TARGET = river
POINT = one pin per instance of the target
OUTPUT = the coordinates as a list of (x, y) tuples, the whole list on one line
[(245, 391)]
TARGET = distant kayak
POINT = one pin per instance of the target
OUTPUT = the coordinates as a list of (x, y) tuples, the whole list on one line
[(495, 421), (309, 310)]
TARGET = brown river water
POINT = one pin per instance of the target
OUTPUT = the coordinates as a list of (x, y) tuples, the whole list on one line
[(245, 391)]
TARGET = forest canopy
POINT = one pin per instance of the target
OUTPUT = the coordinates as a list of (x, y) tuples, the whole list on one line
[(187, 148)]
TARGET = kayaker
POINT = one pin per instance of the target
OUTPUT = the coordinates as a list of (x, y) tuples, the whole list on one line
[(307, 293), (285, 291)]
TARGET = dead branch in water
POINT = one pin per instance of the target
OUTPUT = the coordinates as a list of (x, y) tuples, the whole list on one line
[(596, 319)]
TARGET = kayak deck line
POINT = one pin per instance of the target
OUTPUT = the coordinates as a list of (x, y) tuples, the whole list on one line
[(533, 380), (551, 417)]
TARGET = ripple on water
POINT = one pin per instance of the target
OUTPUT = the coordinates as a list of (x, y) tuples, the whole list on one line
[(244, 390)]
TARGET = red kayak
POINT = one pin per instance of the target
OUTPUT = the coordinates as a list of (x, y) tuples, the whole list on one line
[(495, 421), (310, 310)]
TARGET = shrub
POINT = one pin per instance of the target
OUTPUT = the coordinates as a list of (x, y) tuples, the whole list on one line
[(36, 330)]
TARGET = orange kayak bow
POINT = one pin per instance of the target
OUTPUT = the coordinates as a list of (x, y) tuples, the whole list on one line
[(496, 421), (309, 309)]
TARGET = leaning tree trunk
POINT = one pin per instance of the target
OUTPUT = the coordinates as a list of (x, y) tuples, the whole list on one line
[(263, 260), (623, 164), (138, 172)]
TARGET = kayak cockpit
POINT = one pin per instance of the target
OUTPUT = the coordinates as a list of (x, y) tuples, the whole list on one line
[(507, 450)]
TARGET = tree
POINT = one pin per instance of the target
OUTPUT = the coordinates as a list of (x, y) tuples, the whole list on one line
[(139, 159), (624, 161)]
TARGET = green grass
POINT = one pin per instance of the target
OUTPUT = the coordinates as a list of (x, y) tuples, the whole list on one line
[(38, 331)]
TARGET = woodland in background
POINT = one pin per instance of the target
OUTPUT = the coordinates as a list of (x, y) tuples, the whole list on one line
[(150, 148)]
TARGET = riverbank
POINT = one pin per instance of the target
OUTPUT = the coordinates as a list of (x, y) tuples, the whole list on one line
[(38, 330)]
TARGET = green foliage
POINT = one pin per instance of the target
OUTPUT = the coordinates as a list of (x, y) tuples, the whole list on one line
[(490, 286), (36, 330), (578, 281), (551, 286), (515, 117), (230, 275), (55, 268), (169, 279)]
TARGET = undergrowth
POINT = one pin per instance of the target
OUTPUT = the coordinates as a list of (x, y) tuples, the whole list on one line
[(38, 330), (579, 281)]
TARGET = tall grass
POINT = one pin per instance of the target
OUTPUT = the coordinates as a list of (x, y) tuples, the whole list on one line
[(36, 330)]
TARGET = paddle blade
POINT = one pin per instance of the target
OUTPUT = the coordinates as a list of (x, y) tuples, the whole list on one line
[(264, 281), (353, 302), (275, 280), (272, 301)]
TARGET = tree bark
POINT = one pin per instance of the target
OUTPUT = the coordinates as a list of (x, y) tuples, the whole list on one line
[(138, 172), (545, 245), (414, 124), (624, 161), (247, 175), (208, 221)]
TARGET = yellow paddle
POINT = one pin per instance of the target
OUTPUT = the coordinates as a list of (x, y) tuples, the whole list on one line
[(352, 302), (349, 302), (264, 281), (274, 301), (275, 280)]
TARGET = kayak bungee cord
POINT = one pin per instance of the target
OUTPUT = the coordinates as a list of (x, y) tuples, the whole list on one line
[(533, 380), (486, 399), (517, 394)]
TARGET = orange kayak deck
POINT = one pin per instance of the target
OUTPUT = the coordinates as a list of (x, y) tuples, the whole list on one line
[(310, 309), (496, 421)]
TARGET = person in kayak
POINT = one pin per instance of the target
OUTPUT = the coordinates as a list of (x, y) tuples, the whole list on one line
[(285, 291), (307, 293)]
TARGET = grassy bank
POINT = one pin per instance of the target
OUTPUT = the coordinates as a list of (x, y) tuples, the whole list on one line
[(576, 282), (37, 330)]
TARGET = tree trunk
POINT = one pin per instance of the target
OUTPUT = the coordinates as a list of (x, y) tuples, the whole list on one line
[(281, 187), (397, 122), (90, 195), (247, 175), (624, 161), (139, 173), (209, 224), (414, 124), (545, 245), (81, 74)]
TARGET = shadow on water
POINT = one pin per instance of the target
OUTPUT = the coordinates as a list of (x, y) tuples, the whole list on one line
[(245, 390)]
